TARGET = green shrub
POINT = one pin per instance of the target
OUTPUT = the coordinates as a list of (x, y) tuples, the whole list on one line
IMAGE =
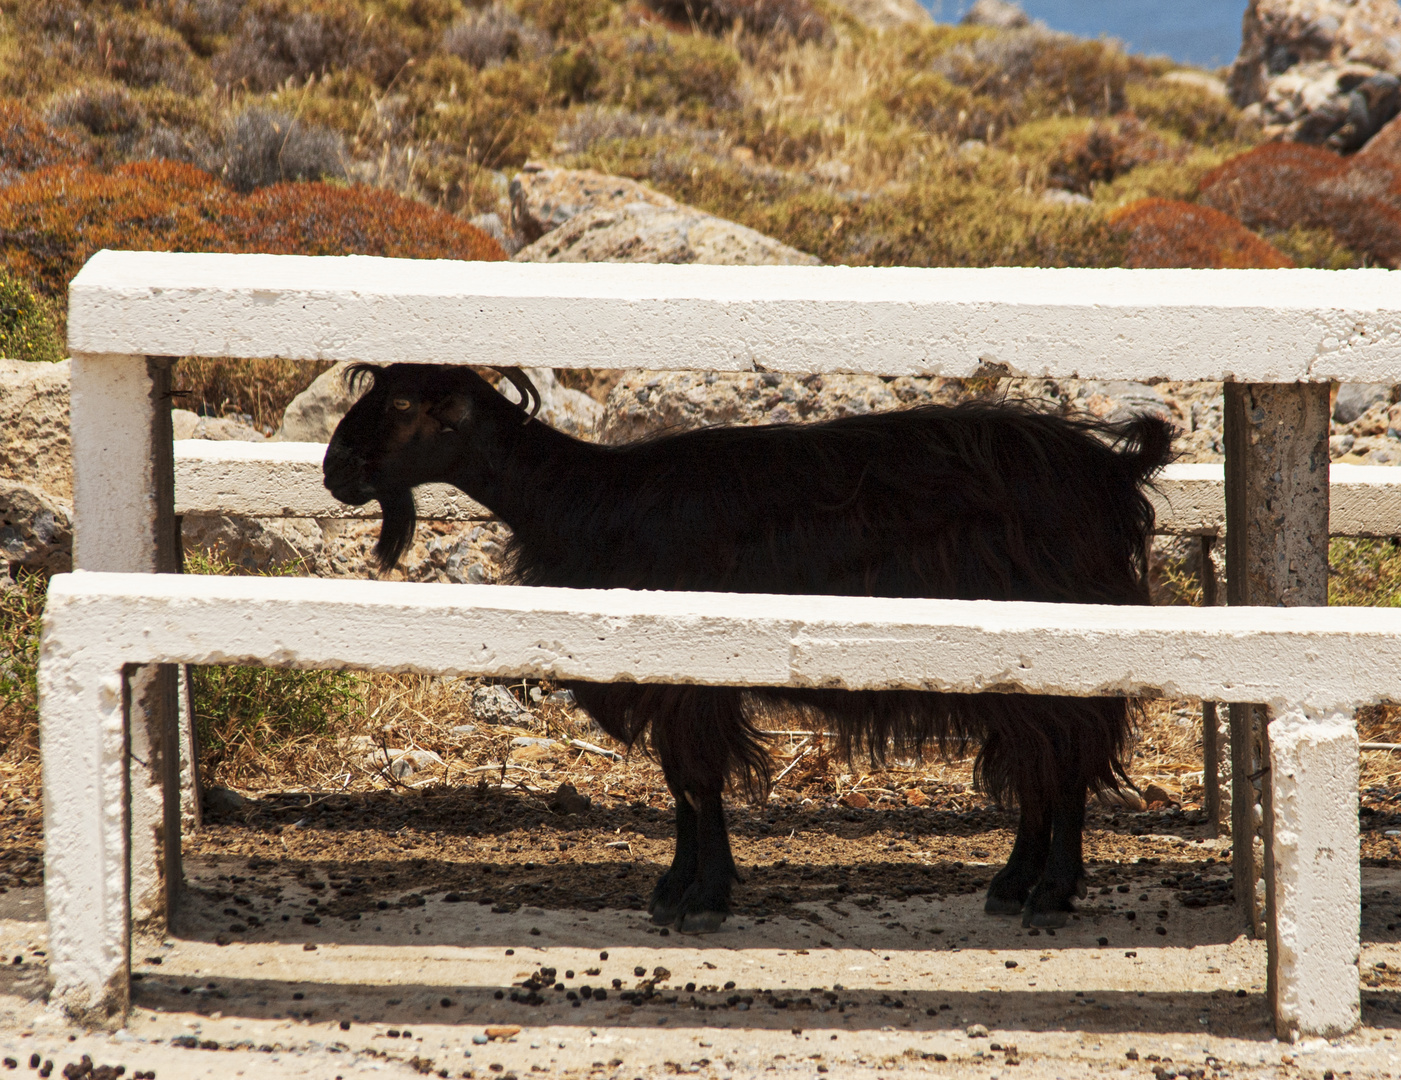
[(26, 323), (21, 607), (652, 70), (253, 711), (1363, 572), (1192, 112)]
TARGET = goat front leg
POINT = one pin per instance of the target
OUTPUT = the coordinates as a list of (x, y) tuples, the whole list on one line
[(1051, 902), (706, 903), (1007, 895), (673, 885)]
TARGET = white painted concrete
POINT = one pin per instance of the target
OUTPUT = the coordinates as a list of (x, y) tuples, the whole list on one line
[(116, 500), (1268, 655), (267, 480), (1317, 873), (97, 624), (1245, 325)]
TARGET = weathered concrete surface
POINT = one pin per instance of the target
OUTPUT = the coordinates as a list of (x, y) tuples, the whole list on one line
[(1278, 656), (283, 479), (1314, 876), (1203, 325), (1070, 1007), (123, 520)]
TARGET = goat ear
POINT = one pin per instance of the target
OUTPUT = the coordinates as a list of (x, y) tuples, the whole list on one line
[(453, 411)]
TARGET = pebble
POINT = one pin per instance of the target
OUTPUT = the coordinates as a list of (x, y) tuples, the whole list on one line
[(976, 1031), (480, 1040)]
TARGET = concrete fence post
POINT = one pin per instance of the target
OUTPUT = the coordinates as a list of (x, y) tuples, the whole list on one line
[(124, 520), (1276, 440), (1313, 872)]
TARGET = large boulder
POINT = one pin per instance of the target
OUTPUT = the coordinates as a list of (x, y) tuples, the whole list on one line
[(313, 414), (544, 198), (578, 215), (646, 402), (36, 450), (643, 233), (1320, 71)]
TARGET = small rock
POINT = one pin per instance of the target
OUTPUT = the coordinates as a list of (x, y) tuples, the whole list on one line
[(566, 800), (502, 1031), (224, 800), (1001, 14), (1159, 798), (36, 529), (497, 705), (480, 1040), (856, 800), (190, 425), (1354, 399), (976, 1031)]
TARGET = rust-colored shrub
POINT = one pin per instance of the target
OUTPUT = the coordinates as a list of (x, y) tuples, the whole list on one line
[(1279, 186), (52, 220), (27, 143), (324, 219), (1166, 233), (1269, 187)]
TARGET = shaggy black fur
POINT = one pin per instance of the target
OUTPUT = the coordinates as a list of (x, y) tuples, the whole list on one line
[(976, 501)]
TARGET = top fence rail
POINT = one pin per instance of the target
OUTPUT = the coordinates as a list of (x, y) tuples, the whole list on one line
[(1255, 326)]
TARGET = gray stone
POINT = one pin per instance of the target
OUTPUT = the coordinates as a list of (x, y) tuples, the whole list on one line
[(644, 402), (497, 705), (313, 414), (224, 800), (1354, 399), (190, 425), (254, 544), (645, 233), (36, 529)]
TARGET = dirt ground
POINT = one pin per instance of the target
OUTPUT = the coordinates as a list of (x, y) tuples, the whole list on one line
[(366, 924), (388, 932)]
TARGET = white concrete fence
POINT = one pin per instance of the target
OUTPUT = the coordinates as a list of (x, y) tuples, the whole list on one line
[(283, 480), (1276, 337)]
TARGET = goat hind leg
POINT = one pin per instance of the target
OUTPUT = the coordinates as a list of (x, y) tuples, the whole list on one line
[(707, 901), (673, 885)]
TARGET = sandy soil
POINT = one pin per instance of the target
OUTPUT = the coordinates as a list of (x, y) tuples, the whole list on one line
[(385, 932)]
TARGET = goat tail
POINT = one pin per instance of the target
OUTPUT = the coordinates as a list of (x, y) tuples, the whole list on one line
[(1145, 444)]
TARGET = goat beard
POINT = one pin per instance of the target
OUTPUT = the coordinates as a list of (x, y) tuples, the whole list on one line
[(398, 519)]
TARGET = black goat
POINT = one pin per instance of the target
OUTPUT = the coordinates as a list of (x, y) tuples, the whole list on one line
[(975, 501)]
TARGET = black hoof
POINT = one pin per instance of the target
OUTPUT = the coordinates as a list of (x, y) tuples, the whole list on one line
[(700, 922), (1001, 905), (662, 914), (1045, 920)]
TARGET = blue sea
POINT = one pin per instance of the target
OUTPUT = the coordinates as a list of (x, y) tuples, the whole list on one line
[(1205, 33)]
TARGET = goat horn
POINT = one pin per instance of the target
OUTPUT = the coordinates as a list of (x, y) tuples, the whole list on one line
[(530, 397)]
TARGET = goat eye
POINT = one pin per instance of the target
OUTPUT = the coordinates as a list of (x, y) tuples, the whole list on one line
[(402, 404)]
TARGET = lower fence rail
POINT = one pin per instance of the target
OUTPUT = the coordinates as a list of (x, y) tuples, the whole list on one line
[(1309, 666)]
